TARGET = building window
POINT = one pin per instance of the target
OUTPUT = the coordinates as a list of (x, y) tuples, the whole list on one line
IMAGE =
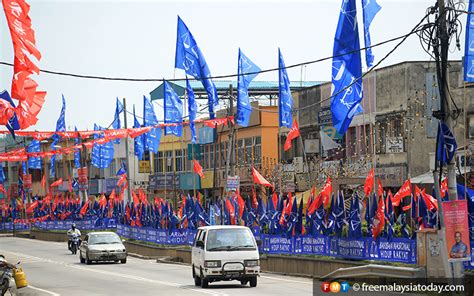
[(397, 128), (159, 165), (351, 134), (257, 151), (240, 151), (169, 160), (222, 154), (382, 133), (248, 151), (211, 156), (205, 156), (179, 160)]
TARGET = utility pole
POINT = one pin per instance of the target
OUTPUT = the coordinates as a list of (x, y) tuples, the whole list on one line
[(127, 161), (229, 164), (454, 270)]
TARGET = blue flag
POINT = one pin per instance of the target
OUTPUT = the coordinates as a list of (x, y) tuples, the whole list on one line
[(355, 225), (60, 127), (34, 162), (245, 66), (151, 139), (122, 170), (370, 9), (285, 101), (116, 123), (23, 168), (2, 174), (346, 69), (77, 154), (102, 154), (469, 47), (138, 141), (192, 110), (61, 122), (446, 144), (173, 111), (190, 58), (12, 124)]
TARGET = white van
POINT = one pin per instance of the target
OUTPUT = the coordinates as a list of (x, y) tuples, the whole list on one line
[(225, 253)]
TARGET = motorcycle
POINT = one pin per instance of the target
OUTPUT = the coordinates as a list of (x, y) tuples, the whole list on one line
[(7, 275), (75, 242)]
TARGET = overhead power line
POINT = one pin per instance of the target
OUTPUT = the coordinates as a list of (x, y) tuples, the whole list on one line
[(213, 77)]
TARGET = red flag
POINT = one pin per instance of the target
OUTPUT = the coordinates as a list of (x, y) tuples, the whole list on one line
[(198, 168), (444, 187), (315, 204), (135, 132), (83, 210), (417, 193), (292, 134), (274, 200), (407, 207), (2, 189), (57, 183), (31, 207), (102, 201), (69, 184), (259, 179), (254, 199), (231, 209), (112, 195), (136, 200), (430, 201), (213, 123), (380, 188), (241, 203), (326, 192), (199, 197), (127, 213), (369, 183), (122, 180), (379, 220), (24, 43), (404, 191), (43, 181)]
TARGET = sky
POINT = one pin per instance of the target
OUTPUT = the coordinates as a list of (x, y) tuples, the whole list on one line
[(136, 39)]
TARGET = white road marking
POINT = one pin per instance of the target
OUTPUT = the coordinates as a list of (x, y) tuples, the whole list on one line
[(43, 290), (110, 273), (286, 280)]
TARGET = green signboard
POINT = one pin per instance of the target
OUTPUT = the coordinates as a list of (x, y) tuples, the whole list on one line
[(196, 149)]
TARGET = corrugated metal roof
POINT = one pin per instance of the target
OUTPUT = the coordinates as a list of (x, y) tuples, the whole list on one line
[(223, 85)]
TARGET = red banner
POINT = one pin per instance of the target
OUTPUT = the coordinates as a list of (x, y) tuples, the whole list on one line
[(457, 230), (27, 181)]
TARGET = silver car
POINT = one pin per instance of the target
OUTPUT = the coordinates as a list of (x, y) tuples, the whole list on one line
[(102, 246)]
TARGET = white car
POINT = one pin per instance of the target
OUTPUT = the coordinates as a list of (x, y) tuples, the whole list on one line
[(224, 253)]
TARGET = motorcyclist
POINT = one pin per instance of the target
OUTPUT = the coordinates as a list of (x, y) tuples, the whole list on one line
[(70, 233)]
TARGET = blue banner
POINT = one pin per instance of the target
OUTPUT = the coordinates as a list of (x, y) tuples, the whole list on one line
[(469, 47), (34, 162)]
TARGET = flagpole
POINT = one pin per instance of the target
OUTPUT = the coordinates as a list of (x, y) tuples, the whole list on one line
[(127, 161)]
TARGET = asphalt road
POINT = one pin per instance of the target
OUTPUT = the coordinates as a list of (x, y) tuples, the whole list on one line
[(52, 270)]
